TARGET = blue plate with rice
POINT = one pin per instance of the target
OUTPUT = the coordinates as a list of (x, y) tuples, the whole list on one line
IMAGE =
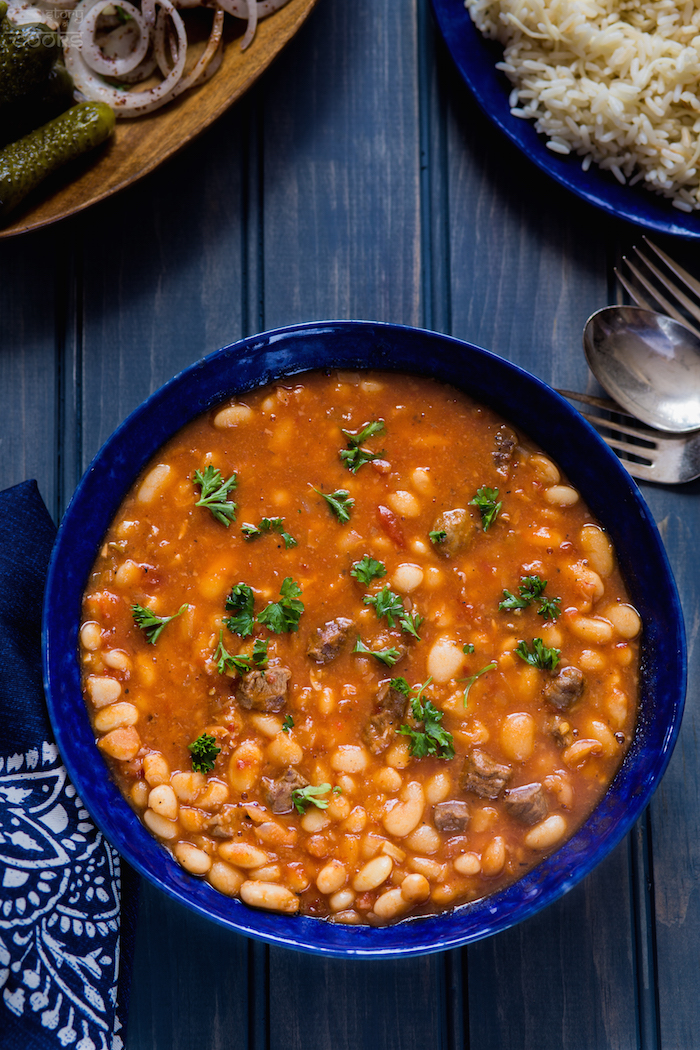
[(476, 58)]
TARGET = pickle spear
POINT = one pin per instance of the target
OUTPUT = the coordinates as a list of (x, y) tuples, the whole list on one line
[(25, 163)]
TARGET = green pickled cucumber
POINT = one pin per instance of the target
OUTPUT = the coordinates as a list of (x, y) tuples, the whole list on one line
[(25, 163), (27, 53)]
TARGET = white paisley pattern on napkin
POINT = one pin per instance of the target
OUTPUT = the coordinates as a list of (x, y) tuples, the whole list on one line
[(59, 905)]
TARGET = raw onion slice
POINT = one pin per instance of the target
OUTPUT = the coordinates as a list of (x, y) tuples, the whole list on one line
[(214, 48), (93, 54), (252, 24)]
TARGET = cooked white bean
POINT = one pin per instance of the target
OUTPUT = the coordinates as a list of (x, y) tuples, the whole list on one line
[(467, 864), (373, 873), (331, 877), (270, 896), (493, 859), (405, 504), (422, 481), (118, 660), (284, 751), (581, 751), (437, 788), (225, 879), (139, 793), (407, 577), (545, 469), (625, 619), (561, 496), (91, 636), (116, 715), (244, 766), (128, 574), (214, 795), (154, 483), (341, 900), (314, 820), (193, 859), (187, 786), (242, 854), (122, 744), (601, 732), (160, 826), (390, 904), (415, 888), (445, 660), (388, 780), (598, 549), (424, 840), (232, 416), (270, 873), (593, 629), (155, 768), (102, 690), (401, 817), (349, 758), (162, 800), (547, 833), (518, 736)]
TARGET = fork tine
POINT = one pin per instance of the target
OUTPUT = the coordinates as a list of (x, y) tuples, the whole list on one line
[(634, 293), (598, 402), (666, 306), (626, 431), (668, 284), (688, 280)]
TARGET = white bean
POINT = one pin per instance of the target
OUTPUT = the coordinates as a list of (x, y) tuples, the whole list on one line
[(390, 904), (373, 873), (445, 660), (225, 879), (270, 896), (331, 877), (405, 504), (407, 577), (162, 800), (232, 416), (116, 715), (242, 854), (160, 826), (122, 744), (598, 549), (625, 619), (102, 690), (349, 758), (402, 817), (91, 636), (561, 495), (193, 859), (518, 736), (546, 833), (154, 483)]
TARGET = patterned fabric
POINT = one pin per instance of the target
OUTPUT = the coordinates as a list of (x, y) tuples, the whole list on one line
[(62, 979)]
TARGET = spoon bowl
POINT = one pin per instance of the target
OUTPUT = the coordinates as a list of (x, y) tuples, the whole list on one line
[(648, 363)]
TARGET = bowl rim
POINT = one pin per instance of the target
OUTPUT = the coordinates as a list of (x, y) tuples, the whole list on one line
[(289, 351)]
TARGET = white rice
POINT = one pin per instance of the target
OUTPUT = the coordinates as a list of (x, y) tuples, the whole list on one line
[(615, 81)]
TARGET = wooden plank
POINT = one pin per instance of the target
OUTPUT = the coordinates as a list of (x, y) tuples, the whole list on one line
[(528, 264)]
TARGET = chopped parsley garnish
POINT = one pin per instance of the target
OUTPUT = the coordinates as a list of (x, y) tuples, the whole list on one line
[(340, 502), (389, 604), (287, 724), (251, 532), (302, 797), (400, 685), (468, 648), (283, 616), (367, 569), (539, 656), (204, 751), (385, 656), (437, 536), (354, 456), (486, 500), (150, 624), (215, 492), (472, 678), (226, 662), (432, 739), (240, 602), (531, 590), (260, 653)]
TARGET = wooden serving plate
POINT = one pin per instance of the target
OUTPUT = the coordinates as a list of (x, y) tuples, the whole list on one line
[(140, 145)]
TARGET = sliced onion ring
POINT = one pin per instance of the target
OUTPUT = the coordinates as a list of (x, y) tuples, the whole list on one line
[(93, 53)]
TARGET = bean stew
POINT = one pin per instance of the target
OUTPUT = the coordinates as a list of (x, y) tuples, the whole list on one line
[(354, 648)]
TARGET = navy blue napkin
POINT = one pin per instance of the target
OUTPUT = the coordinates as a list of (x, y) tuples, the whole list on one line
[(67, 902)]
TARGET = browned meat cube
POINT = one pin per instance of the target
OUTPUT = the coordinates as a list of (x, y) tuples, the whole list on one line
[(451, 817), (565, 688), (279, 792), (329, 640), (264, 690), (528, 803), (222, 825), (391, 711), (459, 528), (505, 442), (482, 776)]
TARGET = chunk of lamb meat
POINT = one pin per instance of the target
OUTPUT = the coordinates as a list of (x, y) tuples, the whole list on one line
[(459, 528), (390, 713), (505, 442), (483, 776), (451, 817), (528, 803), (329, 640), (279, 793), (264, 690), (565, 688)]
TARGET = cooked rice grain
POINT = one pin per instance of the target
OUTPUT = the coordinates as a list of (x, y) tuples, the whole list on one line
[(615, 81)]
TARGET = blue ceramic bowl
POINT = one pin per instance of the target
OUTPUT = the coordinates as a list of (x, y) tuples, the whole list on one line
[(476, 58), (549, 421)]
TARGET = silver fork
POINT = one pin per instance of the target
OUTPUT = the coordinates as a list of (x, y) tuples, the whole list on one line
[(650, 297), (647, 454)]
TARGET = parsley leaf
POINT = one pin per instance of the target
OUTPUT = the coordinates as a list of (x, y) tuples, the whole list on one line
[(486, 501), (251, 532), (240, 602), (204, 751), (531, 587), (354, 456), (531, 590), (437, 536), (539, 656), (226, 662), (432, 739), (550, 608), (301, 797), (468, 648), (283, 616), (367, 569), (340, 502), (511, 601), (472, 678), (150, 624), (385, 656), (287, 724), (214, 493), (260, 653), (400, 685), (386, 603)]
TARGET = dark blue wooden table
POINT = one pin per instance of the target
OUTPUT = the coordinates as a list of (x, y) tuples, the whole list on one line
[(359, 180)]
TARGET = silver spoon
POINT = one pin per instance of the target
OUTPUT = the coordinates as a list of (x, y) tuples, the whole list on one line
[(648, 363)]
